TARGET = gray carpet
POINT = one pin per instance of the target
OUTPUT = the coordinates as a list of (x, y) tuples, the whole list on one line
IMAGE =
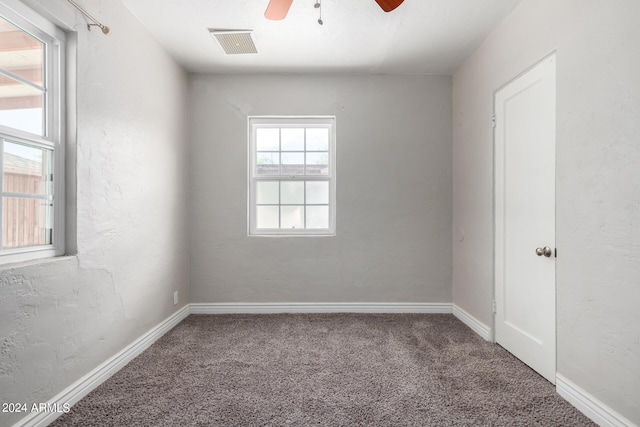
[(327, 370)]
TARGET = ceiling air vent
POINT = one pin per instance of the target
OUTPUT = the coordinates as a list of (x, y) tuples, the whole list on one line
[(234, 42)]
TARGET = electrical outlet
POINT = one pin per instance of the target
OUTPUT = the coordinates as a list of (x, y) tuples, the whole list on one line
[(175, 298)]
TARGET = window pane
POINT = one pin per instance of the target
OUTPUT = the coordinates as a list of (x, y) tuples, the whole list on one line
[(25, 222), (292, 216), (317, 139), (267, 217), (292, 163), (267, 192), (318, 192), (292, 139), (292, 177), (317, 216), (268, 139), (21, 106), (292, 192), (318, 163), (267, 163), (21, 54), (27, 170)]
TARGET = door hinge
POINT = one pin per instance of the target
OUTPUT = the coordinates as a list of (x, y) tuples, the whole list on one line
[(493, 307), (493, 121)]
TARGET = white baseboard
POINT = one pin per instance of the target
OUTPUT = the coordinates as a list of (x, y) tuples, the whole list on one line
[(476, 326), (330, 307), (79, 389), (597, 411)]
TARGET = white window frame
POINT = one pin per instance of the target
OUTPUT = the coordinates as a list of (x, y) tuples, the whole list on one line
[(54, 40), (255, 122)]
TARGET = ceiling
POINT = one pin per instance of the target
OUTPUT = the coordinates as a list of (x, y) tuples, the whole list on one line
[(419, 37)]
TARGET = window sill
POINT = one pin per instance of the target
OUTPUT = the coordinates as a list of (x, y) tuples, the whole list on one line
[(12, 265)]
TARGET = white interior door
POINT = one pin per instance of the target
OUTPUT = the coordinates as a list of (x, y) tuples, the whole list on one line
[(525, 286)]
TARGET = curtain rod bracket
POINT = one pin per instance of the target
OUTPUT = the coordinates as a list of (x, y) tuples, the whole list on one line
[(105, 30)]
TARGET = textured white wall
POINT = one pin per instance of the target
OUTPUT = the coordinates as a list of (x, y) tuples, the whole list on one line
[(61, 318), (393, 191), (598, 183)]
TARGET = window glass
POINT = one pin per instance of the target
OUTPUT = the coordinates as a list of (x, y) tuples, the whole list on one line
[(21, 53), (292, 163), (292, 139), (26, 169), (25, 222), (268, 192), (268, 217), (317, 192), (292, 217), (268, 139), (317, 139), (292, 192), (317, 163), (22, 88), (317, 216), (267, 163), (292, 182)]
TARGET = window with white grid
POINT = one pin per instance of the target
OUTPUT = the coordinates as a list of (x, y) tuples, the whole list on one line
[(292, 176), (31, 135)]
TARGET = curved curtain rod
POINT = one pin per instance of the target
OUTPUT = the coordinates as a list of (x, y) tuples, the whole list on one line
[(105, 30)]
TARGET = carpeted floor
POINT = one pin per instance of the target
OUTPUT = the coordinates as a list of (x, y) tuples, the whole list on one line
[(326, 370)]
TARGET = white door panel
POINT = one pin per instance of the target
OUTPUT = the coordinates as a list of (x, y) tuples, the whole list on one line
[(525, 217)]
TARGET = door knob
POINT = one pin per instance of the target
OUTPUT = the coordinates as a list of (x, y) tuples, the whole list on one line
[(546, 251)]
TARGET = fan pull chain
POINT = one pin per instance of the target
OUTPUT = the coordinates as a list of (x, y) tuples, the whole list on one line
[(318, 6)]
